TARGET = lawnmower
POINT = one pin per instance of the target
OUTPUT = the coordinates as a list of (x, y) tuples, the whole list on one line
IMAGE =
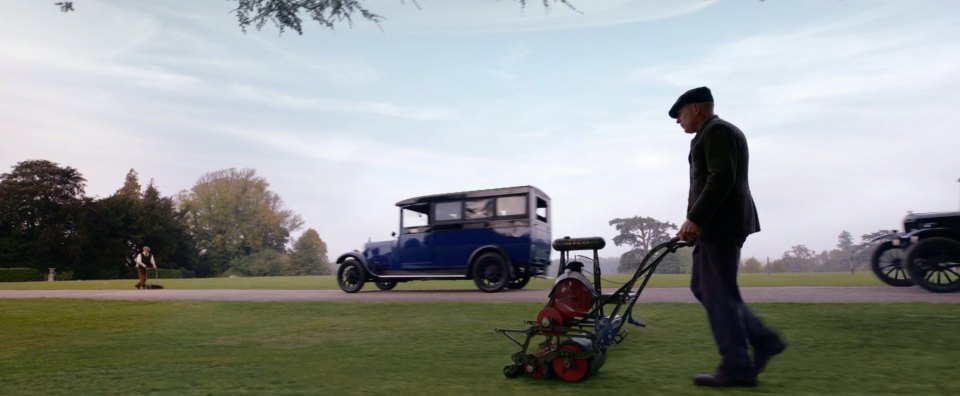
[(573, 331)]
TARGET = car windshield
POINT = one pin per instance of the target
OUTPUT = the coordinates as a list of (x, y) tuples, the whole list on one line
[(414, 216)]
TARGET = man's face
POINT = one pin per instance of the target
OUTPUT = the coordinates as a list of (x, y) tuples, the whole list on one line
[(686, 117)]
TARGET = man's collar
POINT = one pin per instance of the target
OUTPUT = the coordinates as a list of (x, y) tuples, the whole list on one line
[(705, 122)]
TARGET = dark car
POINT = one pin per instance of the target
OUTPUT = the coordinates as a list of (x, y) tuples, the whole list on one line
[(499, 237), (926, 253)]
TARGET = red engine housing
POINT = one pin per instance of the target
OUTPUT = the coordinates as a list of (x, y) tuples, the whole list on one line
[(571, 298)]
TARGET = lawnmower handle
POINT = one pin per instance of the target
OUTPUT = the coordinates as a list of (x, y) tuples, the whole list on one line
[(679, 243), (566, 244)]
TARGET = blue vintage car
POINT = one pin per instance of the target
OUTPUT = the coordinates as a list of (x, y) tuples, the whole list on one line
[(499, 237)]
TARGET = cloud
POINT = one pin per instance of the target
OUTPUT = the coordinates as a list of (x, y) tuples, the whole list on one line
[(857, 57), (506, 65), (287, 101)]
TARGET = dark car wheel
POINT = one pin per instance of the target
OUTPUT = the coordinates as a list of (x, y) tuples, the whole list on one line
[(385, 285), (887, 263), (518, 282), (491, 273), (934, 264), (350, 276)]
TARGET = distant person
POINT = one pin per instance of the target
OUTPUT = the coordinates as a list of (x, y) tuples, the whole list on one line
[(720, 216), (142, 260)]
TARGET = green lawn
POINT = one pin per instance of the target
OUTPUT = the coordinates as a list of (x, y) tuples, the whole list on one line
[(89, 347), (329, 282)]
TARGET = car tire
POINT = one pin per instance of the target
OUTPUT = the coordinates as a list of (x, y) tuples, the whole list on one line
[(385, 285), (934, 264), (519, 282), (888, 264), (350, 276), (491, 273)]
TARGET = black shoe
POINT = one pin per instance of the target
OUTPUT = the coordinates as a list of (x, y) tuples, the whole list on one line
[(723, 380), (137, 286), (762, 356)]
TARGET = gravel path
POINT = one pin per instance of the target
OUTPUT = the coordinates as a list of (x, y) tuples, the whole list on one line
[(677, 295)]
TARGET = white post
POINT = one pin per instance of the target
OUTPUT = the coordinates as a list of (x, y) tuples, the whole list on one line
[(51, 274)]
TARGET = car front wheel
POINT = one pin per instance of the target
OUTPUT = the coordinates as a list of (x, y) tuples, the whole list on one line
[(887, 262), (350, 276)]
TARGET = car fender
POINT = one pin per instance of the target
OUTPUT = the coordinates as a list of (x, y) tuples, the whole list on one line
[(356, 256), (886, 237), (915, 236), (487, 249)]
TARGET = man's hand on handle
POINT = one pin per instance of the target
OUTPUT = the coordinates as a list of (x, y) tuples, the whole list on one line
[(689, 231)]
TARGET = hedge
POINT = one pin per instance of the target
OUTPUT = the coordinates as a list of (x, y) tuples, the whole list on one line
[(21, 275)]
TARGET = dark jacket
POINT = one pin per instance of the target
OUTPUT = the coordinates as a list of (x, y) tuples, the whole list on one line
[(720, 201)]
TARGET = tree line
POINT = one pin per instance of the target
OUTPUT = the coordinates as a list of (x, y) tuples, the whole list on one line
[(643, 233), (228, 223)]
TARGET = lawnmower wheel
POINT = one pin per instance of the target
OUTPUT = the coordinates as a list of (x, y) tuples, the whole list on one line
[(512, 370), (567, 368)]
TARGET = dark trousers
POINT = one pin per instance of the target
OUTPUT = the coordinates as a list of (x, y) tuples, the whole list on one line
[(714, 283)]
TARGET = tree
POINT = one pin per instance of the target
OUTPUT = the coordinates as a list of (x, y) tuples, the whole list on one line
[(131, 186), (162, 227), (845, 241), (775, 266), (289, 14), (641, 233), (846, 248), (231, 213), (40, 202), (309, 255), (65, 6), (751, 265), (799, 259), (117, 227)]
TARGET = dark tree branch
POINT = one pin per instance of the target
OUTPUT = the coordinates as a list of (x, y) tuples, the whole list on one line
[(65, 6)]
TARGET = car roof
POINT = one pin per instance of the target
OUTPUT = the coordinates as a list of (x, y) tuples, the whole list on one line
[(492, 192)]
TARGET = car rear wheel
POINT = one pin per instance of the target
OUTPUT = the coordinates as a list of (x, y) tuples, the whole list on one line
[(518, 282), (385, 285), (350, 276), (491, 273), (934, 264), (887, 262)]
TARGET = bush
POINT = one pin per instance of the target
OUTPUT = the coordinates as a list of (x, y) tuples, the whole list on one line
[(266, 262), (165, 273), (21, 275), (64, 275)]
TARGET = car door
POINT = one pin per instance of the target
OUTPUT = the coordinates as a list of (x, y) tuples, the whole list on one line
[(414, 243)]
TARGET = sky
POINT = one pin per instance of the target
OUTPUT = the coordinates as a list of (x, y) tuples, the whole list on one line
[(849, 107)]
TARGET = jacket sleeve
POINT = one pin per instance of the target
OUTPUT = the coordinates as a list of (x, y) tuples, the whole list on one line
[(721, 159)]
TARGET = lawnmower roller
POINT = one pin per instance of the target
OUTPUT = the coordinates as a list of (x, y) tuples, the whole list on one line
[(572, 333)]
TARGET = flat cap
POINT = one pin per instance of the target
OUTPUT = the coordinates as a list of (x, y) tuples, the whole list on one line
[(696, 95)]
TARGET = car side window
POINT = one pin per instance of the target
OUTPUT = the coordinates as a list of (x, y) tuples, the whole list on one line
[(512, 206), (447, 211), (542, 209), (478, 209)]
